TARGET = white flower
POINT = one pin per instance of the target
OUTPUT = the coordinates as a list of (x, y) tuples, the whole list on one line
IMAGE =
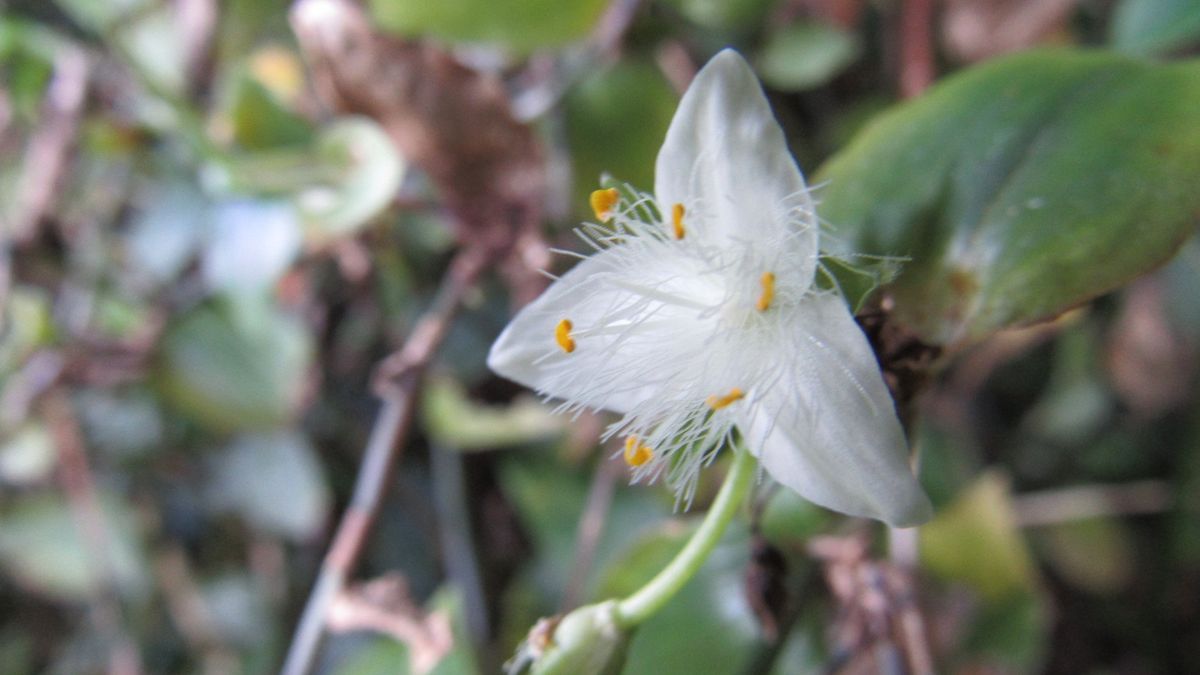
[(706, 319)]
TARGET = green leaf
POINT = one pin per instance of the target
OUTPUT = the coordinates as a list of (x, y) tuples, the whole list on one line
[(1149, 27), (274, 481), (806, 55), (259, 119), (976, 541), (1022, 187), (234, 367), (369, 171), (520, 25), (1096, 554), (41, 546), (455, 421)]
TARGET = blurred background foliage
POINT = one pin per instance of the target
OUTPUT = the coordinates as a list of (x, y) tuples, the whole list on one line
[(203, 260)]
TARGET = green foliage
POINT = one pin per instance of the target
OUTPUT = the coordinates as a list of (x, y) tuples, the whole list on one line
[(1153, 27), (235, 365), (1005, 186), (616, 119), (805, 55), (519, 25)]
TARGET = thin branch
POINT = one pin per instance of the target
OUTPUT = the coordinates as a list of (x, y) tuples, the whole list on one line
[(916, 47), (75, 476), (1053, 507), (591, 526), (396, 384)]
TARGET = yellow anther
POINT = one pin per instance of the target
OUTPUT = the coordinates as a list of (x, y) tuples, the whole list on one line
[(677, 229), (637, 453), (562, 335), (768, 292), (717, 402), (603, 201)]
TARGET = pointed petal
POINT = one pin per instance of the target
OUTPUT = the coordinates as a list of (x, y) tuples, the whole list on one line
[(726, 160), (828, 428), (633, 313)]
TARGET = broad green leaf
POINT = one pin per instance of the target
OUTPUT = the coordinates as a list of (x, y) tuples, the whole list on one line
[(1022, 187), (1147, 27), (272, 480), (975, 541), (234, 370), (520, 25), (42, 547), (806, 55)]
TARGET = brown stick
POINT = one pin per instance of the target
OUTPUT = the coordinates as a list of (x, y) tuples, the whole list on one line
[(916, 47), (396, 383), (75, 476)]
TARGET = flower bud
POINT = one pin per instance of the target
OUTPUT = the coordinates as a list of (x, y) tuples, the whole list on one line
[(587, 641)]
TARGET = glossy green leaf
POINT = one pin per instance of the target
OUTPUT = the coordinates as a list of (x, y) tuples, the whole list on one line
[(805, 55), (520, 25), (235, 367), (1148, 27), (1022, 187)]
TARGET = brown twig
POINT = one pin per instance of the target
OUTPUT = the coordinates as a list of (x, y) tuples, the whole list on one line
[(75, 476), (1052, 507), (396, 383), (46, 153), (591, 526), (916, 47)]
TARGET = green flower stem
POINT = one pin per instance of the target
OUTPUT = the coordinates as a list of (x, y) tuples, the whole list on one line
[(650, 598)]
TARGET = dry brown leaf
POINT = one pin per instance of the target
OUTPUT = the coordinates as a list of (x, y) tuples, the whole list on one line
[(384, 606), (452, 122)]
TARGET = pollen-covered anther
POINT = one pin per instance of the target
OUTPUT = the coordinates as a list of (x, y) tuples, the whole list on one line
[(603, 202), (717, 402), (562, 335), (677, 228), (636, 452), (768, 291)]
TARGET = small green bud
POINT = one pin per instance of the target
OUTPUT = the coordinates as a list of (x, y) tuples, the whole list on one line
[(587, 641)]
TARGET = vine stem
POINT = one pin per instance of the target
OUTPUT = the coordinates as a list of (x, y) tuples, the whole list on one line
[(396, 383), (647, 600)]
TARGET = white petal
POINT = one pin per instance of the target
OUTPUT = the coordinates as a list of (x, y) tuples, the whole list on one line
[(636, 313), (726, 160), (828, 428)]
